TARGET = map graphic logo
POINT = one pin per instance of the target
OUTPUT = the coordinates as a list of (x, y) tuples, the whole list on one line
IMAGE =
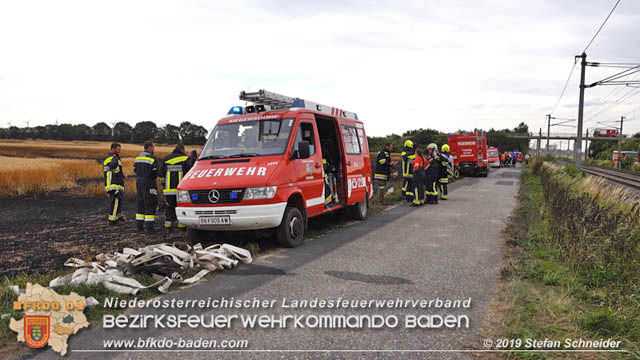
[(49, 318), (36, 330)]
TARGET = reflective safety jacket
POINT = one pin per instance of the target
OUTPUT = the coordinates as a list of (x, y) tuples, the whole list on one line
[(408, 156), (445, 169), (383, 165), (146, 167), (434, 165), (112, 171), (173, 167)]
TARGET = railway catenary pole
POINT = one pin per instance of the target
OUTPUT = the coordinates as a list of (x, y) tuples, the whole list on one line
[(586, 146), (620, 143), (548, 130), (539, 143), (578, 143)]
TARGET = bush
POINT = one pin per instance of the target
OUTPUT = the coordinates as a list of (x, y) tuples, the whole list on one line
[(627, 162), (572, 172), (536, 164), (593, 224)]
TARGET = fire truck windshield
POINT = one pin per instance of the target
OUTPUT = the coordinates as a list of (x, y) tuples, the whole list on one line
[(246, 139)]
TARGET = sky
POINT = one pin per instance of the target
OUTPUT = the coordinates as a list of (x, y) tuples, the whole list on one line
[(399, 65)]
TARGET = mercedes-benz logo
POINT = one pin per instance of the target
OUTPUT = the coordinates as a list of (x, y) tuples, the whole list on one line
[(214, 196)]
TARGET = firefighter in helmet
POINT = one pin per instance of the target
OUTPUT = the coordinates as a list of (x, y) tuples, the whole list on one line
[(408, 156), (328, 189), (172, 169), (146, 167), (114, 183), (445, 171), (432, 174), (383, 170)]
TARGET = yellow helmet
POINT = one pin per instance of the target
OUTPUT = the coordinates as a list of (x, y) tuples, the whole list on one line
[(432, 146), (408, 144), (445, 148)]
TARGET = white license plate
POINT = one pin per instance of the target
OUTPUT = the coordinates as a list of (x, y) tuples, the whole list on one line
[(214, 220)]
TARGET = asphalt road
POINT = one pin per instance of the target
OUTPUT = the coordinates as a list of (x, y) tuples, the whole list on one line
[(449, 251)]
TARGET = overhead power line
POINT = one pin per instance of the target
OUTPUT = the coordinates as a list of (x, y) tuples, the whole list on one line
[(601, 26), (564, 88)]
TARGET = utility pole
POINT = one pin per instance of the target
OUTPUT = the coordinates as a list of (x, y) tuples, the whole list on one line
[(548, 130), (620, 143), (578, 144), (539, 143), (586, 146)]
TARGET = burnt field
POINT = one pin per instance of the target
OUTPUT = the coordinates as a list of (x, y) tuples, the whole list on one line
[(40, 234)]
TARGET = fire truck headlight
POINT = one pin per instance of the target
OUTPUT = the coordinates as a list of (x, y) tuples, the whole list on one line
[(183, 196), (256, 193)]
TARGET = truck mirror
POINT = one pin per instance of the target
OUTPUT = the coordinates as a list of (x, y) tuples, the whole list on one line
[(304, 152)]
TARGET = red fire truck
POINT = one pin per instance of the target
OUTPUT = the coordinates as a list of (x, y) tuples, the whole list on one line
[(275, 164), (469, 152)]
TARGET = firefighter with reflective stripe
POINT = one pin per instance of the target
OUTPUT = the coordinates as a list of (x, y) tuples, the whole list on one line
[(383, 170), (445, 172), (432, 174), (114, 183), (420, 165), (146, 167), (328, 189), (172, 169), (408, 156)]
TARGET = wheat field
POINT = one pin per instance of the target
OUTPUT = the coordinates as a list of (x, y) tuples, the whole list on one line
[(34, 176), (76, 149)]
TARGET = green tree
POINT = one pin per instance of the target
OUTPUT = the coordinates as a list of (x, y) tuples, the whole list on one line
[(101, 132), (122, 132), (168, 134), (82, 132), (143, 131), (192, 134)]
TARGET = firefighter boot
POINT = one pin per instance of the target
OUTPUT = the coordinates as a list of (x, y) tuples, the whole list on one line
[(149, 228)]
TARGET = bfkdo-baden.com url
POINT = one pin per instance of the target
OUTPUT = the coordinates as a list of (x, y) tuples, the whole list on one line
[(151, 343)]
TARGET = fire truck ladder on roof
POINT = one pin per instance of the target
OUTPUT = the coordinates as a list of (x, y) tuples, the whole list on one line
[(277, 102)]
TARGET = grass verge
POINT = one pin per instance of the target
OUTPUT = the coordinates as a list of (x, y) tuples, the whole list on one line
[(546, 295)]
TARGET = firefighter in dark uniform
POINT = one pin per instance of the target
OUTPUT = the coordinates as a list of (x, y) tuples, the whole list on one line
[(328, 188), (408, 156), (445, 172), (146, 167), (432, 174), (193, 157), (383, 170), (114, 183), (172, 169)]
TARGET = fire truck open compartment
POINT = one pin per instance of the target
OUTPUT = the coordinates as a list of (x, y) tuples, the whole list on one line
[(329, 143)]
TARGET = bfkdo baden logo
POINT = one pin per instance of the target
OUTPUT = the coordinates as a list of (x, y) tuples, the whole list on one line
[(49, 318), (36, 330)]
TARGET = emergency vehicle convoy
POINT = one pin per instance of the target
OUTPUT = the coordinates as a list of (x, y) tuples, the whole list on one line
[(469, 152), (275, 164)]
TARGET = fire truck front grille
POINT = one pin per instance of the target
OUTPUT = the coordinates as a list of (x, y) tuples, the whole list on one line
[(216, 196)]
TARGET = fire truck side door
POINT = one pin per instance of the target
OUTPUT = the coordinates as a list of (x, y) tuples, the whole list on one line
[(308, 172), (356, 179)]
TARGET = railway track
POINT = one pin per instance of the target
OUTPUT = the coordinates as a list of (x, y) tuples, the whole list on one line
[(630, 179)]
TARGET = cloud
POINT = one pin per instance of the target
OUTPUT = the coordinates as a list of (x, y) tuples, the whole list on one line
[(399, 65)]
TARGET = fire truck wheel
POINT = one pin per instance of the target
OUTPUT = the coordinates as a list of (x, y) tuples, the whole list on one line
[(359, 211), (456, 173), (291, 230)]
